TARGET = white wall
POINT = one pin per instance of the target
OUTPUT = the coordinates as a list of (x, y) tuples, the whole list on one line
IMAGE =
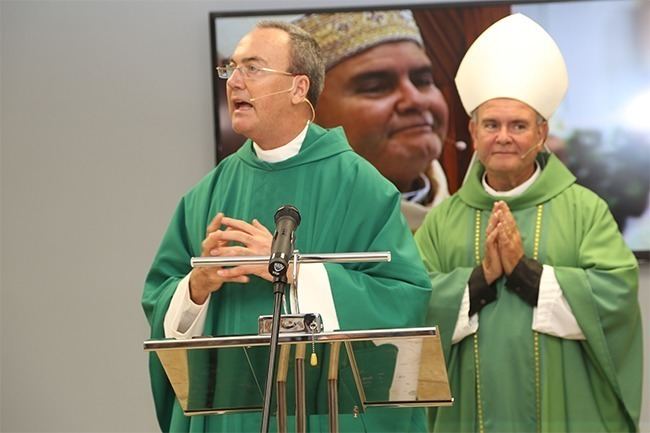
[(106, 119)]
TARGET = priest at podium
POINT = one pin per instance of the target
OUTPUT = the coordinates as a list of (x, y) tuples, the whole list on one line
[(275, 76)]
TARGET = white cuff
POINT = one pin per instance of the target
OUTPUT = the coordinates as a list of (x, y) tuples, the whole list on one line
[(185, 319), (553, 314), (465, 325), (315, 295)]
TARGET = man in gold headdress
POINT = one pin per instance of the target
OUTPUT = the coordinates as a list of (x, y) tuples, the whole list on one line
[(534, 289), (379, 87)]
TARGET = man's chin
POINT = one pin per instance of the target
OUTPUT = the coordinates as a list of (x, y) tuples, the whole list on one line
[(506, 161), (504, 167), (240, 126), (420, 147)]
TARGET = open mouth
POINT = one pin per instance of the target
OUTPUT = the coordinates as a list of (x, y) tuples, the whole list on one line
[(242, 105)]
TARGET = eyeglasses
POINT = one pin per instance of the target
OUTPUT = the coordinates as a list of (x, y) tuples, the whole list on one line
[(249, 71)]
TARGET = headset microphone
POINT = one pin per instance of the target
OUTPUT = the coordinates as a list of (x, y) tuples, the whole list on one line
[(293, 83), (537, 146), (271, 94), (311, 107)]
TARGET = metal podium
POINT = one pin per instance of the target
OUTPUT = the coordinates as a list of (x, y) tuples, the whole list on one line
[(361, 369), (353, 370)]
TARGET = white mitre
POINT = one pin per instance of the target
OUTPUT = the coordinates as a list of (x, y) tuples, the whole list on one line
[(513, 58)]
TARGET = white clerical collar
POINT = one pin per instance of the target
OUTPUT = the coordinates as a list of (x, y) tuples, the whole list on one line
[(419, 194), (282, 153), (518, 190)]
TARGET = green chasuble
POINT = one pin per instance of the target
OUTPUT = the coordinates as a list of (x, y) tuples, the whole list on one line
[(346, 206), (528, 381)]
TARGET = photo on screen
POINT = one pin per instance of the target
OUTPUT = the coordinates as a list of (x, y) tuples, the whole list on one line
[(600, 131)]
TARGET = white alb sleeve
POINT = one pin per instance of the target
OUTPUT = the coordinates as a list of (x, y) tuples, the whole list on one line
[(553, 314), (315, 295), (185, 319), (465, 325)]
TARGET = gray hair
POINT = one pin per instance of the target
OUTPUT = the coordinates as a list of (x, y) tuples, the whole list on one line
[(306, 57)]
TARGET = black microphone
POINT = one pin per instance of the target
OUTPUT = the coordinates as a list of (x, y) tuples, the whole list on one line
[(287, 219)]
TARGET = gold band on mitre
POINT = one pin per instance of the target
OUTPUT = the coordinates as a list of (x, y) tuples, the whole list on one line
[(344, 34)]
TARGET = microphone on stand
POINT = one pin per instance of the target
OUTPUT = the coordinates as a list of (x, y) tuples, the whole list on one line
[(287, 219)]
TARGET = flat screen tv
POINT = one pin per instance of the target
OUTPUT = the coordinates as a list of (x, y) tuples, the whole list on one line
[(602, 128)]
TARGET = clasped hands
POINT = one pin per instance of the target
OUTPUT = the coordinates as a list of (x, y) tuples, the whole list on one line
[(227, 237), (503, 245)]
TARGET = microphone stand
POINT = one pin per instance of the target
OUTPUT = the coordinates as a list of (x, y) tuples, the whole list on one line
[(279, 285)]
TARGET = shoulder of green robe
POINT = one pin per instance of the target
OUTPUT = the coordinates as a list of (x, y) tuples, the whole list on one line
[(442, 212), (553, 180), (208, 181), (583, 202), (321, 143)]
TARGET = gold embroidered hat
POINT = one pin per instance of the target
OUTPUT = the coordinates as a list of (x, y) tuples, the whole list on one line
[(344, 34)]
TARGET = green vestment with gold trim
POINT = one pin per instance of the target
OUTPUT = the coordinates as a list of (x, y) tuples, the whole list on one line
[(591, 385)]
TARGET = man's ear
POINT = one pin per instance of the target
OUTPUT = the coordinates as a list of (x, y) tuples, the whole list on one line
[(300, 89), (472, 131), (544, 131)]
